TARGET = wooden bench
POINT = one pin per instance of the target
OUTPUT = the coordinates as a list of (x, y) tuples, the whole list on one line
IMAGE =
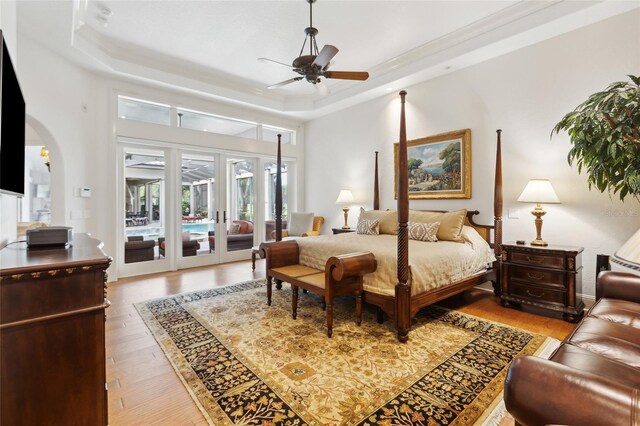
[(342, 275)]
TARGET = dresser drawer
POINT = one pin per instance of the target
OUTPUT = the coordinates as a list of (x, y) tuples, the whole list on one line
[(548, 261), (538, 294), (541, 277)]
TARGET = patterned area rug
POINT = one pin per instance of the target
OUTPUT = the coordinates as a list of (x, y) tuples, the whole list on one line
[(248, 363)]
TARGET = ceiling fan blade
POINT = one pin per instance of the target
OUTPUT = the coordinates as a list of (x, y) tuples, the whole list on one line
[(346, 75), (271, 60), (326, 54), (284, 83)]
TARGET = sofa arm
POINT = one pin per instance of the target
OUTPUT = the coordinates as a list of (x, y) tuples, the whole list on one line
[(539, 392), (618, 285), (311, 234)]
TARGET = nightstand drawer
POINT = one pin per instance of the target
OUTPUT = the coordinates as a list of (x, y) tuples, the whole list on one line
[(539, 294), (537, 259), (538, 276)]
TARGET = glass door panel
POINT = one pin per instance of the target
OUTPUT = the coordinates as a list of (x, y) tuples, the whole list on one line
[(239, 215), (198, 205), (144, 186), (270, 169)]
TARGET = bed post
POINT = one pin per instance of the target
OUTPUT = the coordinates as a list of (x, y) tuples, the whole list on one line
[(497, 214), (376, 190), (279, 193), (403, 288), (279, 200)]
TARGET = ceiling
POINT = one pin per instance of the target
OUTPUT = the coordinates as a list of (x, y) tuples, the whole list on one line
[(211, 47)]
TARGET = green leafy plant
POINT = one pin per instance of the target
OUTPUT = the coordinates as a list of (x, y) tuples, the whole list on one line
[(605, 137)]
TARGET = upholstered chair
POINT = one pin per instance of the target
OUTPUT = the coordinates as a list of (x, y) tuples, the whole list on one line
[(136, 249), (296, 226)]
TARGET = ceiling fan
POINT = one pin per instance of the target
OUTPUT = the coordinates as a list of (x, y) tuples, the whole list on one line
[(316, 64)]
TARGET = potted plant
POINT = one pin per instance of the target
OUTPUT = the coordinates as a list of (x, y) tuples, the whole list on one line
[(605, 137)]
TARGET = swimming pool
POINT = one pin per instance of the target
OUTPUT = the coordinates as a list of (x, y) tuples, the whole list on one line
[(154, 232)]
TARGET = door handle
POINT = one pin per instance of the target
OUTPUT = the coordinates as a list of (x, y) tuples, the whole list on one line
[(217, 216), (224, 216)]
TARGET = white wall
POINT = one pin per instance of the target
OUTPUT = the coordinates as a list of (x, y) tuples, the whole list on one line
[(524, 93)]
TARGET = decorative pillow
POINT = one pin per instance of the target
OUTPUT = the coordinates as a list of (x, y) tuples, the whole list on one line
[(451, 223), (234, 229), (299, 223), (423, 231), (368, 227), (388, 219)]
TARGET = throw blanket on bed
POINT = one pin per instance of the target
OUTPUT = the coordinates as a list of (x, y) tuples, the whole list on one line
[(433, 264)]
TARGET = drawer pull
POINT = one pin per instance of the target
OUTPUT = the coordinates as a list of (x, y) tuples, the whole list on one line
[(535, 276), (535, 295), (533, 259)]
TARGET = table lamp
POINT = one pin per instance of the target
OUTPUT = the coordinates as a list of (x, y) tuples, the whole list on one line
[(628, 256), (345, 197), (539, 191)]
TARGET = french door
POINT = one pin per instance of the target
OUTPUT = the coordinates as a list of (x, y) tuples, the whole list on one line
[(186, 208)]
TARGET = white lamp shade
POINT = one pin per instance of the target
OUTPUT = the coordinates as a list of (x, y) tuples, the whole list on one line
[(630, 251), (539, 191), (345, 197)]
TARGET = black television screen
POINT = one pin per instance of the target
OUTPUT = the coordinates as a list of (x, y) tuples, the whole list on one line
[(12, 121)]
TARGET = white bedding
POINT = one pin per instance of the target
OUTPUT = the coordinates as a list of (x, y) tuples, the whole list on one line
[(433, 264)]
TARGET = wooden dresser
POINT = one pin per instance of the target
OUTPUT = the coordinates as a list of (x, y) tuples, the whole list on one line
[(52, 334), (547, 277)]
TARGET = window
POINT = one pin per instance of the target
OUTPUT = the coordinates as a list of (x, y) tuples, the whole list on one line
[(270, 190), (270, 134), (243, 175), (215, 124), (149, 112), (153, 112)]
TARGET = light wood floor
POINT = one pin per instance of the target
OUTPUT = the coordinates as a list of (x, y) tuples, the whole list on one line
[(145, 390)]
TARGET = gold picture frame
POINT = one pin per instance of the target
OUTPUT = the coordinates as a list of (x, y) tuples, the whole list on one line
[(439, 166)]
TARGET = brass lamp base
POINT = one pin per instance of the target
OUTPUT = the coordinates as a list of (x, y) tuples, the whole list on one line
[(345, 209), (538, 213), (539, 243)]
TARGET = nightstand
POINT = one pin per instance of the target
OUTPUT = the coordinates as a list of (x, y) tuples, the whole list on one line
[(342, 231), (546, 277)]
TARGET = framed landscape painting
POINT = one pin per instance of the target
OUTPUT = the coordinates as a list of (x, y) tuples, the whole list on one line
[(439, 166)]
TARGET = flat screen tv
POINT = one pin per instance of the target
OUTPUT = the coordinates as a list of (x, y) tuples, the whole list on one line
[(12, 116)]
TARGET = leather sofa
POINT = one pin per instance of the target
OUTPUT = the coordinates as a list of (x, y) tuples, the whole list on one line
[(136, 249), (593, 378)]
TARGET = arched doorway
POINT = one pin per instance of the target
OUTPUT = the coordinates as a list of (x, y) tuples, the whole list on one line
[(44, 199)]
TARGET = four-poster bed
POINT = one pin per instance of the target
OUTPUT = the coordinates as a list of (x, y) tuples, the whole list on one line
[(401, 303)]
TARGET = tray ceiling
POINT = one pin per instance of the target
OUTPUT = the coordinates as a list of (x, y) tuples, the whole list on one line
[(211, 47)]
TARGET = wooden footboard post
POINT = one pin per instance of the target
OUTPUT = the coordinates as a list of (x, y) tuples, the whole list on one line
[(403, 289), (279, 192), (376, 189), (497, 215)]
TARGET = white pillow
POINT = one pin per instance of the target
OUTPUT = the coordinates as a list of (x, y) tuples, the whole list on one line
[(299, 223)]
